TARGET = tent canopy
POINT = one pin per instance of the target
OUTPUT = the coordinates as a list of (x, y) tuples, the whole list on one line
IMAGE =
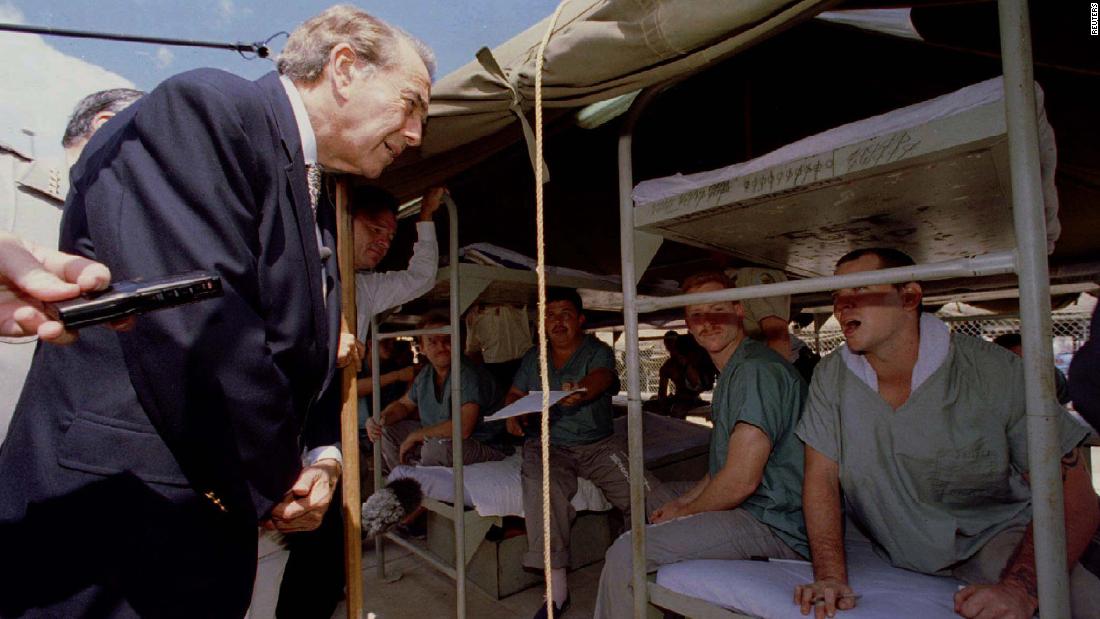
[(755, 76), (599, 49)]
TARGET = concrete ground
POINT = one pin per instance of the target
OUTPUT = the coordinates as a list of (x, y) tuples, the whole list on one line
[(423, 593)]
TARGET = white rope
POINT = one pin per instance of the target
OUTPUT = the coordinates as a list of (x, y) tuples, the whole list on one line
[(544, 429)]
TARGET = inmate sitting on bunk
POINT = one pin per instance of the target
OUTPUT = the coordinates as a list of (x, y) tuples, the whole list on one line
[(688, 370), (582, 443), (924, 432), (427, 441), (750, 502)]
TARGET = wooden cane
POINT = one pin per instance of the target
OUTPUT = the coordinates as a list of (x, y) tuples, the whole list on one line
[(349, 413)]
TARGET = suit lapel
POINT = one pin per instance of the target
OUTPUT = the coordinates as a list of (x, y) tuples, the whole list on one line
[(299, 195)]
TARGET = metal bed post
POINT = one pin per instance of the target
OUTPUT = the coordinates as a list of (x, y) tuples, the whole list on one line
[(456, 415), (376, 451), (630, 333), (1048, 520), (459, 571), (995, 263)]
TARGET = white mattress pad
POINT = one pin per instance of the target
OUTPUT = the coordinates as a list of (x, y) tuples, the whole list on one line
[(766, 589), (495, 489), (492, 488)]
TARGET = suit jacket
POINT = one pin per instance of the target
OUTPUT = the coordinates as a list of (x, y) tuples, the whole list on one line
[(197, 414)]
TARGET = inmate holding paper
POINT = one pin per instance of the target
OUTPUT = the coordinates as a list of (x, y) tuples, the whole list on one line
[(530, 403)]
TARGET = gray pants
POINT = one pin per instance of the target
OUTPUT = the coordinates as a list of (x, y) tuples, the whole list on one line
[(604, 463), (985, 568), (433, 451), (730, 534)]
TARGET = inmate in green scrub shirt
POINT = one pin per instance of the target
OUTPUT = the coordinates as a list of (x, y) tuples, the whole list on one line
[(760, 388), (936, 479), (477, 387), (576, 425)]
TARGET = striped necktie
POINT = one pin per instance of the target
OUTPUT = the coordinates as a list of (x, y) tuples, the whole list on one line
[(313, 179)]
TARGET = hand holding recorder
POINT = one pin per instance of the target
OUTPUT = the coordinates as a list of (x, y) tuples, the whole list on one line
[(124, 299), (31, 275)]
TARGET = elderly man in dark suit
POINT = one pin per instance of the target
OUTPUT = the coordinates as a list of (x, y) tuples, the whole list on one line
[(139, 464)]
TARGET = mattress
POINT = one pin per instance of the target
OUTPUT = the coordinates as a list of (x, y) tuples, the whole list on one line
[(498, 275), (930, 175), (488, 254), (766, 589), (494, 488)]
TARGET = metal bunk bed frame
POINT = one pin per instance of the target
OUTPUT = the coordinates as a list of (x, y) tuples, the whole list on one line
[(458, 572), (469, 527), (1028, 261)]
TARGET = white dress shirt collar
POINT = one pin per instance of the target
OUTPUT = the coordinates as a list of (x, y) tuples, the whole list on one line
[(301, 117)]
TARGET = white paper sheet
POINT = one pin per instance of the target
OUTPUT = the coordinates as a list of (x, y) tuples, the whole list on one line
[(530, 403)]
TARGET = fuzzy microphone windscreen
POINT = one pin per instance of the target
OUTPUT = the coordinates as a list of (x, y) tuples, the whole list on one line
[(389, 506)]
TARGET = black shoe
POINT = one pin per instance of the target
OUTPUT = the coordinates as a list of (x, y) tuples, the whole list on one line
[(558, 610), (416, 530)]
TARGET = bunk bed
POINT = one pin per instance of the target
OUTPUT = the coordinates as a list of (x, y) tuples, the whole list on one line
[(934, 179), (494, 275), (930, 179), (652, 47), (491, 490), (674, 450)]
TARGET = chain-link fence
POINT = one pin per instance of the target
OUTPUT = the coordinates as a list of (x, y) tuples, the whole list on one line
[(1070, 331), (823, 342), (652, 355)]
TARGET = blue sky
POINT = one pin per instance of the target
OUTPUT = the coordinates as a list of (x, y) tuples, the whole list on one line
[(455, 29), (44, 77)]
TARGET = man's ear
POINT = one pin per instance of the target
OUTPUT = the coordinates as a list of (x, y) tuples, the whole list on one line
[(911, 295), (341, 69), (580, 319), (101, 118)]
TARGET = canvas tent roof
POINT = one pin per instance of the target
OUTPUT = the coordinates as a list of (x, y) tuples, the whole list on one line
[(599, 49), (800, 77)]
